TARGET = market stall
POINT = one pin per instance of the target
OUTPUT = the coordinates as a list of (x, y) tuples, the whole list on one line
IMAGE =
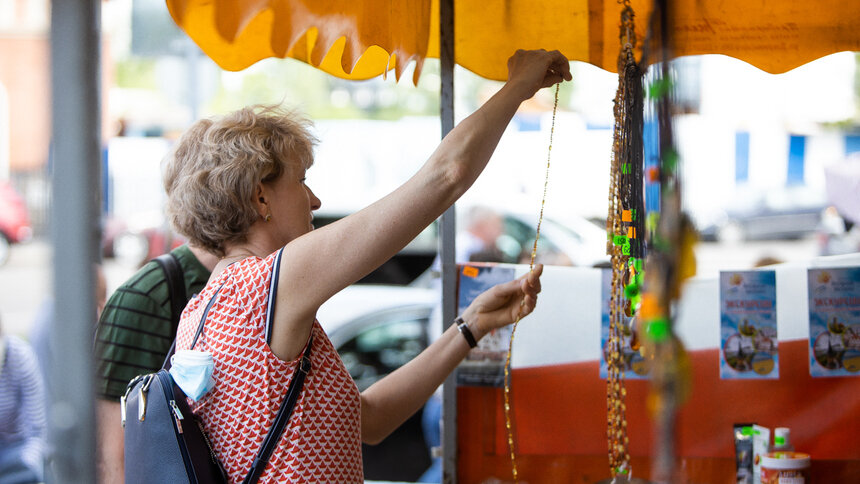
[(687, 397)]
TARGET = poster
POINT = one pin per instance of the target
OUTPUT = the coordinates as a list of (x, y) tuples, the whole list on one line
[(834, 321), (485, 364), (748, 339), (635, 366)]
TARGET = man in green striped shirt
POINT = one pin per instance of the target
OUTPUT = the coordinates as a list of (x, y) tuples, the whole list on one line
[(133, 336)]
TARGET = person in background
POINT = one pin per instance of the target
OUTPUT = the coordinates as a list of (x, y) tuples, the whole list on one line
[(40, 338), (133, 336), (22, 413), (478, 242)]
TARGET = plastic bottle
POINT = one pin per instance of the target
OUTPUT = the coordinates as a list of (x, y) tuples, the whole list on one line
[(782, 440)]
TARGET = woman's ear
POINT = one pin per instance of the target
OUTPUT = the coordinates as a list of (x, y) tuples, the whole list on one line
[(260, 200)]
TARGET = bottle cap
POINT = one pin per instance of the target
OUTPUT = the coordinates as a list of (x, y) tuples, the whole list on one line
[(781, 436)]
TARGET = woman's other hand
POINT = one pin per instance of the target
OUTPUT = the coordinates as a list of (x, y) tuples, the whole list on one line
[(503, 303), (530, 70)]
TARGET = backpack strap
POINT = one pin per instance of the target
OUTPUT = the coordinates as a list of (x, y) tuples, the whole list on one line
[(178, 296), (273, 436), (175, 286)]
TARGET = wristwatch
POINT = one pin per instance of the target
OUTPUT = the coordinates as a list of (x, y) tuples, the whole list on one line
[(466, 332)]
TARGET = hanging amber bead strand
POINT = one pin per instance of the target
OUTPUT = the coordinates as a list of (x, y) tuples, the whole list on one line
[(508, 417)]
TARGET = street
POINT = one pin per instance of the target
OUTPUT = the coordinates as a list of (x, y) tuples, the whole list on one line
[(25, 281)]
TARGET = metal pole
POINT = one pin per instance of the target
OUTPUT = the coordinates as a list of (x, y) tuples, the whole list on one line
[(447, 229), (76, 135)]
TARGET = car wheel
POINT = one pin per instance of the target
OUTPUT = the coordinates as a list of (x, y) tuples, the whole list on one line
[(731, 233), (5, 249)]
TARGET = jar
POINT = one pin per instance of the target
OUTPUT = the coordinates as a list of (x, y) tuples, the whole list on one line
[(785, 468)]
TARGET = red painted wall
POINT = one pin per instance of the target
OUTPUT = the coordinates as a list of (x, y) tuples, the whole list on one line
[(560, 418)]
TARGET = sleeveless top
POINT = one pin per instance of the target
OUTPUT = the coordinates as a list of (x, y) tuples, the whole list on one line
[(322, 441)]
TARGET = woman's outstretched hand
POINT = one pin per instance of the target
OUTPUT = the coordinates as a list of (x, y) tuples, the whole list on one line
[(530, 70), (503, 303)]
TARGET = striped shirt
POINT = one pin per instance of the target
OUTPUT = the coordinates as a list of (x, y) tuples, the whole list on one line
[(22, 404), (135, 332)]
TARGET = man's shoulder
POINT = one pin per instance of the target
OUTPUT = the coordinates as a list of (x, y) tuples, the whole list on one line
[(145, 279), (191, 265)]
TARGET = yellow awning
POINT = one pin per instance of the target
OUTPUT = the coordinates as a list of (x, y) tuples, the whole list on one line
[(363, 39)]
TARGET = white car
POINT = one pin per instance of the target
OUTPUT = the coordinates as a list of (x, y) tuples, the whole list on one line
[(376, 329)]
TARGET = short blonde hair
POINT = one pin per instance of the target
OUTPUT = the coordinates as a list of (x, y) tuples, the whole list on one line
[(211, 176)]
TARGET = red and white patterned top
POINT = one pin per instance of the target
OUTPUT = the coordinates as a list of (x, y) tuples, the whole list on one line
[(322, 441)]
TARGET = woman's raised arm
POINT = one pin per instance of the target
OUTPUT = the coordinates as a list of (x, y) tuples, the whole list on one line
[(321, 263)]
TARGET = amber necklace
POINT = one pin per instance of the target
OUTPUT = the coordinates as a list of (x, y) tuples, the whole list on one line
[(508, 420), (624, 224)]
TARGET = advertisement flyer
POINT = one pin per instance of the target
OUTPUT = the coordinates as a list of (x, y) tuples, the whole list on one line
[(748, 339), (485, 364), (635, 366), (834, 321)]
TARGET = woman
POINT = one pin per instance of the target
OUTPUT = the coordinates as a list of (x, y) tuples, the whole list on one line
[(236, 188)]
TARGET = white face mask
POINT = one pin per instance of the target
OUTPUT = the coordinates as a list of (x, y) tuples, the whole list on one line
[(192, 372)]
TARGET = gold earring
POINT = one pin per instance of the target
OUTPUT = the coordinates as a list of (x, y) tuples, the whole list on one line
[(268, 217)]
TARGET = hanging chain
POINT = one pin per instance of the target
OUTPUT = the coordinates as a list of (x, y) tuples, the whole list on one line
[(508, 420), (625, 229)]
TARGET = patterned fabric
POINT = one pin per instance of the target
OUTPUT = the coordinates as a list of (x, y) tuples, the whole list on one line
[(22, 409), (322, 441), (134, 332)]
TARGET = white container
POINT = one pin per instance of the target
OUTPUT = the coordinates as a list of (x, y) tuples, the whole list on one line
[(785, 468)]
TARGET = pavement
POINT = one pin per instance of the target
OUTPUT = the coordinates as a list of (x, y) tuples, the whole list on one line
[(26, 282)]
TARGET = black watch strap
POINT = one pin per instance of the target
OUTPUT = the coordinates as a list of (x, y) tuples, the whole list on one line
[(467, 333)]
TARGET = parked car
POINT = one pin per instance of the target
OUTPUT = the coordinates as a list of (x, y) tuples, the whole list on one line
[(376, 329), (790, 212), (134, 246), (14, 221), (565, 240)]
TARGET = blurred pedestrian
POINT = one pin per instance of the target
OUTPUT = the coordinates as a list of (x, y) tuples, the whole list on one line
[(22, 413), (477, 243)]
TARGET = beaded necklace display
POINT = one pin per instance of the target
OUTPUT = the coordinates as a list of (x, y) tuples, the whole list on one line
[(508, 420), (670, 261), (625, 229)]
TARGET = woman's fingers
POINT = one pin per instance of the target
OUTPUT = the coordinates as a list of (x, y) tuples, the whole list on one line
[(560, 65), (538, 68), (531, 281), (558, 69)]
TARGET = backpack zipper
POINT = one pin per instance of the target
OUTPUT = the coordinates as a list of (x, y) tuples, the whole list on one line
[(177, 415), (183, 449)]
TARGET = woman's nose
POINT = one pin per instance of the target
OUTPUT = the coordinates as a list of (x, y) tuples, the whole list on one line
[(315, 202)]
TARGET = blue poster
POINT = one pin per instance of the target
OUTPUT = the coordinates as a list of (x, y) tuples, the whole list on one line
[(748, 340), (485, 364), (834, 321), (635, 366)]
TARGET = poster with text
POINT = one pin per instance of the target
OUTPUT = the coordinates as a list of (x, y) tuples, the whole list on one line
[(634, 365), (485, 364), (748, 340), (834, 321)]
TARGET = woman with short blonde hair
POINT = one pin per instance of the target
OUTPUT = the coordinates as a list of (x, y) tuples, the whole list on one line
[(236, 186), (215, 167)]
